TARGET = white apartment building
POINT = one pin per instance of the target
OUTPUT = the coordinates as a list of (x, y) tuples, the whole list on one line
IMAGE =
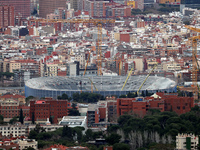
[(186, 141), (15, 130), (23, 130)]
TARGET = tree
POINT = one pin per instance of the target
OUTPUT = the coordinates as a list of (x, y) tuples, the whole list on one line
[(73, 111), (39, 129), (33, 118), (32, 134), (28, 99), (21, 118), (1, 119), (51, 119), (113, 138), (13, 120), (76, 97), (121, 146), (64, 96), (122, 96), (67, 132), (143, 95)]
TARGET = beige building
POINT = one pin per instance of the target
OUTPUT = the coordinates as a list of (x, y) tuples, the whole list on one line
[(48, 69), (117, 36), (81, 59), (186, 141), (25, 143), (14, 65), (6, 63), (171, 66), (139, 64)]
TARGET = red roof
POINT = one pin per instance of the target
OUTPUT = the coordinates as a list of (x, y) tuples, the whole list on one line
[(26, 61), (12, 96), (40, 102), (58, 147)]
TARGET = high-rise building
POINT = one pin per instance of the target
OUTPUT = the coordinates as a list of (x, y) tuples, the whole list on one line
[(74, 4), (22, 7), (96, 8), (49, 6), (7, 16)]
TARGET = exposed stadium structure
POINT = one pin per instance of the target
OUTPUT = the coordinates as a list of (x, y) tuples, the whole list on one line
[(105, 85)]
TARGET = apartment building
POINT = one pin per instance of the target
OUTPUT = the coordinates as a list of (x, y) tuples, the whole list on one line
[(51, 69), (15, 130), (49, 6), (96, 8), (118, 10), (11, 108), (7, 16), (25, 143), (74, 4), (92, 115), (30, 65), (186, 141), (171, 66), (21, 7), (13, 65), (163, 102)]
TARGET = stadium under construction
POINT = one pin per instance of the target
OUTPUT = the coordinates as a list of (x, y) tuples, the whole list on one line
[(104, 85)]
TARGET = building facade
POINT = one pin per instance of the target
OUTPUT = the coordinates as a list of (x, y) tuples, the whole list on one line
[(7, 16), (49, 6), (11, 108), (164, 102), (43, 109), (186, 141), (21, 7)]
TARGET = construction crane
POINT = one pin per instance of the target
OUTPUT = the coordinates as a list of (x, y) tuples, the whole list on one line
[(146, 79), (194, 40), (92, 84), (87, 63), (127, 78), (97, 22)]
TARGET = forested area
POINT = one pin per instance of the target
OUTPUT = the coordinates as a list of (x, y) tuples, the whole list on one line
[(157, 130)]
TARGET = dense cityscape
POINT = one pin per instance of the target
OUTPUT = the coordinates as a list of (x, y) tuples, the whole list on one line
[(99, 74)]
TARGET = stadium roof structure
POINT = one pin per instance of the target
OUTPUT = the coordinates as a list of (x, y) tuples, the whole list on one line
[(102, 83)]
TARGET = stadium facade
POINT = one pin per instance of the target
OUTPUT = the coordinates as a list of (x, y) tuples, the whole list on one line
[(104, 85)]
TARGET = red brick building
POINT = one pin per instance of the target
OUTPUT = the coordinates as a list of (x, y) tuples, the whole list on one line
[(165, 102), (18, 97), (49, 6), (43, 109), (11, 108), (22, 7), (118, 10), (7, 16), (180, 105)]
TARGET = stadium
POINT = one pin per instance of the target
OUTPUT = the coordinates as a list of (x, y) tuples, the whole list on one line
[(104, 85)]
